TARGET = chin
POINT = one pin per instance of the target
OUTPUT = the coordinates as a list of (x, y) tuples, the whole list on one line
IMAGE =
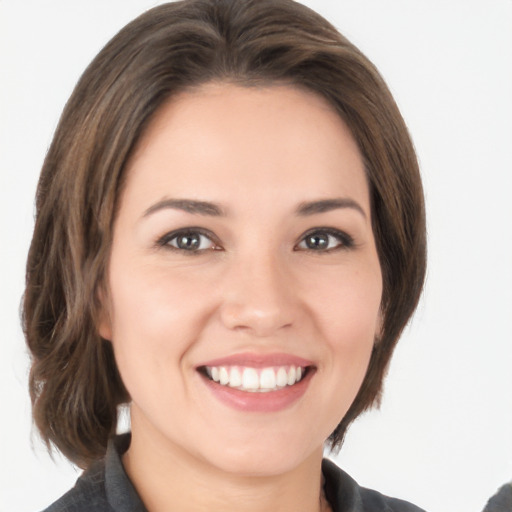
[(265, 455)]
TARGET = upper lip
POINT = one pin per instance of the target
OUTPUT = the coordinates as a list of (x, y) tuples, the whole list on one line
[(255, 360)]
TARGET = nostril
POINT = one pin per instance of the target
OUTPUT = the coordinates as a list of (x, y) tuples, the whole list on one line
[(257, 320)]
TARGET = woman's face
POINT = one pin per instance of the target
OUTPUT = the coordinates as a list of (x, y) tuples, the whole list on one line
[(244, 283)]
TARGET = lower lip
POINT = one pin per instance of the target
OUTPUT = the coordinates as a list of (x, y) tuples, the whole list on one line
[(269, 401)]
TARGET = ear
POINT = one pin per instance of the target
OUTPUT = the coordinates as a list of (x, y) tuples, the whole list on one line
[(104, 321)]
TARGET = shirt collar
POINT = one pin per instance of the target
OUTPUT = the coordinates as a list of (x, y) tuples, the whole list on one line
[(121, 494), (341, 490)]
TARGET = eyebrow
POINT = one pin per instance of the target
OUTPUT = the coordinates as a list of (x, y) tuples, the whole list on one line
[(189, 206), (214, 210), (327, 205)]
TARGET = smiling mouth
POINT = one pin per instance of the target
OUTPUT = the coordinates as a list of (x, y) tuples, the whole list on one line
[(255, 380)]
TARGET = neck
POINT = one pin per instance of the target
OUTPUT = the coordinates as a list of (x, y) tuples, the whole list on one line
[(166, 478)]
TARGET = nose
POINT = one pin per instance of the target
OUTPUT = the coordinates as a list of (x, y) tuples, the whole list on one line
[(258, 297)]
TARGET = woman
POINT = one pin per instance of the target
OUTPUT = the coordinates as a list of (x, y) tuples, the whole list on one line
[(230, 237)]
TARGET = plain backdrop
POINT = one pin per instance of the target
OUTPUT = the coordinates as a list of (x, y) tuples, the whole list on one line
[(443, 436)]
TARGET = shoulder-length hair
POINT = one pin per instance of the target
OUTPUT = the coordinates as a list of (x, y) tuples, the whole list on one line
[(74, 382)]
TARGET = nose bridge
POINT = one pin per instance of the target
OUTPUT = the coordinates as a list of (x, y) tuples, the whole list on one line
[(257, 295)]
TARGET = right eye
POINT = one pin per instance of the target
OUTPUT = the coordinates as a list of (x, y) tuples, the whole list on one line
[(189, 240)]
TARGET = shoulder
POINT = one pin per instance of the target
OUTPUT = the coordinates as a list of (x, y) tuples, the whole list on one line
[(374, 500), (345, 494), (501, 501), (88, 494), (104, 487)]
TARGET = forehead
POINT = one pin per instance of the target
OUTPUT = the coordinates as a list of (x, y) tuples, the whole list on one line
[(223, 139)]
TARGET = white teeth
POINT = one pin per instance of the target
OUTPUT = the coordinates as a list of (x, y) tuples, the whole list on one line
[(281, 377), (267, 379), (223, 376), (250, 379), (235, 378), (253, 379), (292, 374)]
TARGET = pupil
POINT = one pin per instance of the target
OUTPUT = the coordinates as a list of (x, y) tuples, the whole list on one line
[(188, 242), (318, 241)]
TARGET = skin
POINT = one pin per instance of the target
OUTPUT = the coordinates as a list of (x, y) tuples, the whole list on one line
[(255, 286)]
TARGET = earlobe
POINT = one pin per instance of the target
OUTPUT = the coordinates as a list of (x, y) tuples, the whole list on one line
[(104, 327), (103, 322)]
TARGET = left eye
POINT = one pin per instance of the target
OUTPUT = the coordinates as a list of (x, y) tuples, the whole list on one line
[(191, 241), (324, 240)]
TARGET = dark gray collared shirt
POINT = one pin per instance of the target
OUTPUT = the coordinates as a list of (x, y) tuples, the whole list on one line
[(105, 487), (501, 501)]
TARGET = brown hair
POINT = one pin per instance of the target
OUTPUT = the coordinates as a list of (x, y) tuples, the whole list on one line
[(74, 383)]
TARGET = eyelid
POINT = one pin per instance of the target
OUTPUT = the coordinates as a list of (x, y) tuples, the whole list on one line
[(163, 241), (346, 241)]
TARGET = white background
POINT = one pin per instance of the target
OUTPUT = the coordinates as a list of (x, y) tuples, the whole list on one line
[(443, 437)]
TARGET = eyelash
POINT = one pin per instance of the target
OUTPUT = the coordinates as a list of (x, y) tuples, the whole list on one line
[(344, 240), (166, 240)]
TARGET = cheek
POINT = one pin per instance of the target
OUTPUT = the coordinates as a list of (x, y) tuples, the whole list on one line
[(154, 322), (347, 306), (347, 315), (153, 301)]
